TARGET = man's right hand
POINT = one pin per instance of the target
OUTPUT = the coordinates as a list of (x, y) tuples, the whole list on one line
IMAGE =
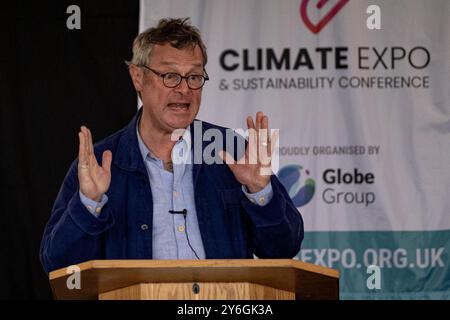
[(94, 179)]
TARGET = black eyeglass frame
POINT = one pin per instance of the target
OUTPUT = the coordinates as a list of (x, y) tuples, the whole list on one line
[(163, 76)]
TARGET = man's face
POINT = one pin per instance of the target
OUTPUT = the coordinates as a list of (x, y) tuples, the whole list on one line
[(165, 108)]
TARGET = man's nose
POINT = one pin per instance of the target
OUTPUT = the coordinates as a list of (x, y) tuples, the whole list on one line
[(183, 87)]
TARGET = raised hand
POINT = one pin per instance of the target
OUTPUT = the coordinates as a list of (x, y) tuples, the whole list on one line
[(254, 168), (94, 179)]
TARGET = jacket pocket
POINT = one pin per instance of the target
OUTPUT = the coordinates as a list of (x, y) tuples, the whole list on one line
[(234, 218)]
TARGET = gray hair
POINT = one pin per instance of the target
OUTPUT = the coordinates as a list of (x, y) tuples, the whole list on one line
[(178, 32)]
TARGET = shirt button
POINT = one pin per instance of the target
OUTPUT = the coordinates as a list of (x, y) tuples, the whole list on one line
[(98, 210), (261, 200), (144, 227), (181, 228), (89, 208)]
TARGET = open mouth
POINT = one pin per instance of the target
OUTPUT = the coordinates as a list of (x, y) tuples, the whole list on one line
[(179, 106)]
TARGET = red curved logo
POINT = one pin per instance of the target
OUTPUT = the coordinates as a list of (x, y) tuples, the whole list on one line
[(315, 28)]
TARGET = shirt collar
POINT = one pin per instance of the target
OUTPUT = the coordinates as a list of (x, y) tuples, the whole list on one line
[(180, 150)]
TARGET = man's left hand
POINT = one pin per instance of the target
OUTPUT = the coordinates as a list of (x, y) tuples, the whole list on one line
[(254, 169)]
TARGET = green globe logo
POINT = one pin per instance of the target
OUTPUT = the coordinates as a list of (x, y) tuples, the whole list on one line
[(291, 178)]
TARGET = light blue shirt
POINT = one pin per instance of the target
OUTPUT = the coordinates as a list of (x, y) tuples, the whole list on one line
[(175, 236)]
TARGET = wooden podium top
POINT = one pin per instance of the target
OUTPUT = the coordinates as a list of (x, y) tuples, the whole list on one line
[(308, 281)]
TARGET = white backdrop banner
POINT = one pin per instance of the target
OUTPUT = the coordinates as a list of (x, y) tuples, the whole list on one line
[(364, 119)]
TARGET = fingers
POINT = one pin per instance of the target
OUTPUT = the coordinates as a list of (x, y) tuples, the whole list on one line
[(83, 152), (273, 141), (259, 137), (86, 155), (265, 123), (89, 147), (259, 117), (264, 154), (250, 123), (82, 156), (252, 148), (91, 143), (261, 121), (86, 149), (84, 144), (106, 160), (88, 139), (263, 133)]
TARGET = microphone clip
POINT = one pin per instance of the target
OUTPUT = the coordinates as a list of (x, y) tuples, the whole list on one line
[(183, 212)]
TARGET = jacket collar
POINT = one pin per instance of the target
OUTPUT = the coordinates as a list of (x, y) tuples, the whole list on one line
[(128, 156)]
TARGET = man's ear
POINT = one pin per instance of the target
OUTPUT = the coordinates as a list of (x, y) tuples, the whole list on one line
[(137, 76)]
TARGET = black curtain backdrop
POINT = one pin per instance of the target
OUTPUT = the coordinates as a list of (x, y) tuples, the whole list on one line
[(53, 80)]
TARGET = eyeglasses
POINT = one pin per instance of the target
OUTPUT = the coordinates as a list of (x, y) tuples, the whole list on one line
[(173, 79)]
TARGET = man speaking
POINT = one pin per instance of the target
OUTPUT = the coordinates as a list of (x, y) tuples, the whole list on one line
[(138, 195)]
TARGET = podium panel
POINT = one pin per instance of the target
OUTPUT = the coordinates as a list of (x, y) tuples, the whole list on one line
[(213, 279), (198, 291)]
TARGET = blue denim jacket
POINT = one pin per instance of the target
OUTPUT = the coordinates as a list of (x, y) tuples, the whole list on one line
[(231, 226)]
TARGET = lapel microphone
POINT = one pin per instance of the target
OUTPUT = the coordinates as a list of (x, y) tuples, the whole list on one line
[(184, 211)]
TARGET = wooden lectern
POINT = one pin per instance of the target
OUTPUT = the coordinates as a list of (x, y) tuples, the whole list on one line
[(243, 279)]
